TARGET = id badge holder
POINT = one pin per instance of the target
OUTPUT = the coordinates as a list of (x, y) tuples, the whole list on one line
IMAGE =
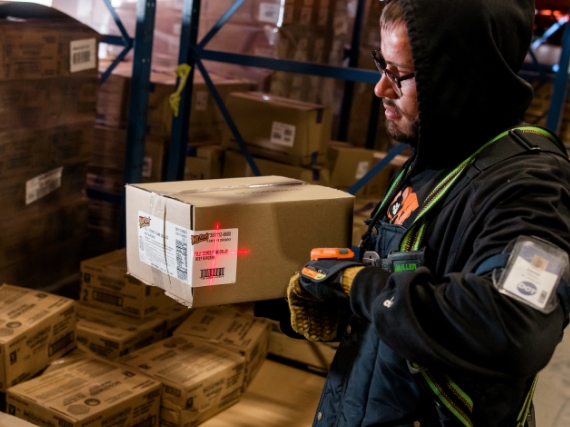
[(532, 274)]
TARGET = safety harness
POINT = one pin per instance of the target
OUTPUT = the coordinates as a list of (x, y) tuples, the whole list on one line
[(441, 387)]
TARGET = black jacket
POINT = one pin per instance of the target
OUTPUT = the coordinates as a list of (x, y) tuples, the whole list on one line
[(443, 316)]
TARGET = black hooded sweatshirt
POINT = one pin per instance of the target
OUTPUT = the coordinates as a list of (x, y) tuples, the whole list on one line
[(444, 316)]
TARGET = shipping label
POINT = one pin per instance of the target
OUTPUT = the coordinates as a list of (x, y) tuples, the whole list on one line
[(283, 134), (43, 184), (83, 55), (198, 258), (269, 12)]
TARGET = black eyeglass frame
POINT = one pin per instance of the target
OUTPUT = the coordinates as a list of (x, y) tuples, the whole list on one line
[(380, 63)]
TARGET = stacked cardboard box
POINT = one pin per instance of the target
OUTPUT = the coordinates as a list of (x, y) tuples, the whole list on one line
[(48, 91), (199, 379), (226, 327), (37, 328), (236, 165), (293, 133), (204, 161), (106, 285), (91, 392), (118, 313)]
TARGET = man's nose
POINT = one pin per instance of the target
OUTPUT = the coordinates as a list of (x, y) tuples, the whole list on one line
[(384, 89)]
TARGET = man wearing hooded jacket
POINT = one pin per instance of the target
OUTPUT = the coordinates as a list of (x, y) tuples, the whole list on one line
[(440, 345)]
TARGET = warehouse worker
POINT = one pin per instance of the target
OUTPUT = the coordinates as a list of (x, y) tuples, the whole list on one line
[(459, 295)]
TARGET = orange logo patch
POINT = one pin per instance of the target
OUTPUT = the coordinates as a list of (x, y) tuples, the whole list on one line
[(403, 205)]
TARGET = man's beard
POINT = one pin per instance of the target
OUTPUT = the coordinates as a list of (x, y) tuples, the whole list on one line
[(409, 135)]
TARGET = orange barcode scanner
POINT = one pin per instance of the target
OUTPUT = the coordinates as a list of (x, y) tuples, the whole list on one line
[(331, 253)]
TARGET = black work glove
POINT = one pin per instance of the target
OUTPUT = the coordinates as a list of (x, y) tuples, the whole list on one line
[(314, 293)]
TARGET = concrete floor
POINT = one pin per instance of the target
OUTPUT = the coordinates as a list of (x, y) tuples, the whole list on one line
[(552, 395)]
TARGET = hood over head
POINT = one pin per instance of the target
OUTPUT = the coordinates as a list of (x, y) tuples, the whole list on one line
[(466, 57)]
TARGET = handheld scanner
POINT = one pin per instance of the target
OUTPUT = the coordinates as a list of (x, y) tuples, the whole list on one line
[(332, 253)]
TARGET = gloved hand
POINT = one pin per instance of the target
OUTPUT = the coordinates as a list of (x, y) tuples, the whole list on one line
[(313, 296)]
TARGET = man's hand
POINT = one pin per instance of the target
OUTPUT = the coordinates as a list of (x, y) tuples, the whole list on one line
[(314, 294)]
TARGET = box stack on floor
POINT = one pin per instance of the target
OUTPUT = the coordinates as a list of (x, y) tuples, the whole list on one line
[(117, 313), (48, 90), (124, 353), (208, 363)]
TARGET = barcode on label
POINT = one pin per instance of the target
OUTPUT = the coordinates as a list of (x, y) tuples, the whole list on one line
[(542, 297), (80, 57), (209, 273), (181, 260)]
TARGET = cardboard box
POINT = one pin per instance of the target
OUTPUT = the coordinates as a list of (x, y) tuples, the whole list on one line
[(110, 146), (113, 335), (45, 103), (281, 129), (348, 163), (198, 379), (230, 240), (91, 392), (105, 284), (38, 229), (236, 166), (37, 328), (41, 42), (204, 162), (50, 269), (226, 327), (40, 191)]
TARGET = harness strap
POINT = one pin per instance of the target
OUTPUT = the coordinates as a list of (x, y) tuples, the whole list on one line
[(445, 391)]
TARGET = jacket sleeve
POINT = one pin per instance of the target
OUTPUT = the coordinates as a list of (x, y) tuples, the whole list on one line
[(456, 321)]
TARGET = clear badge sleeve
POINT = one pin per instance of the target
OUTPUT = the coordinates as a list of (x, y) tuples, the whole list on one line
[(533, 272)]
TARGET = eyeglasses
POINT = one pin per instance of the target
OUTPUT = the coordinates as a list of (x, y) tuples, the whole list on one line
[(396, 82)]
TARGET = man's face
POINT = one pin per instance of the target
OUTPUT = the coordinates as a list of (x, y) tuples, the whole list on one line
[(402, 120)]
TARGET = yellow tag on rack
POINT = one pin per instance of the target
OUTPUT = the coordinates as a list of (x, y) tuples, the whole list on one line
[(182, 71)]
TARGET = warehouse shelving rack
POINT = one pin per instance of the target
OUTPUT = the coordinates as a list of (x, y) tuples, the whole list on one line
[(193, 52)]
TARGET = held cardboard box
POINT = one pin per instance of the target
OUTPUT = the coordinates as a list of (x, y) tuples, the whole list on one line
[(113, 335), (226, 327), (90, 392), (217, 242), (236, 165), (280, 129), (37, 328), (199, 379), (105, 284)]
